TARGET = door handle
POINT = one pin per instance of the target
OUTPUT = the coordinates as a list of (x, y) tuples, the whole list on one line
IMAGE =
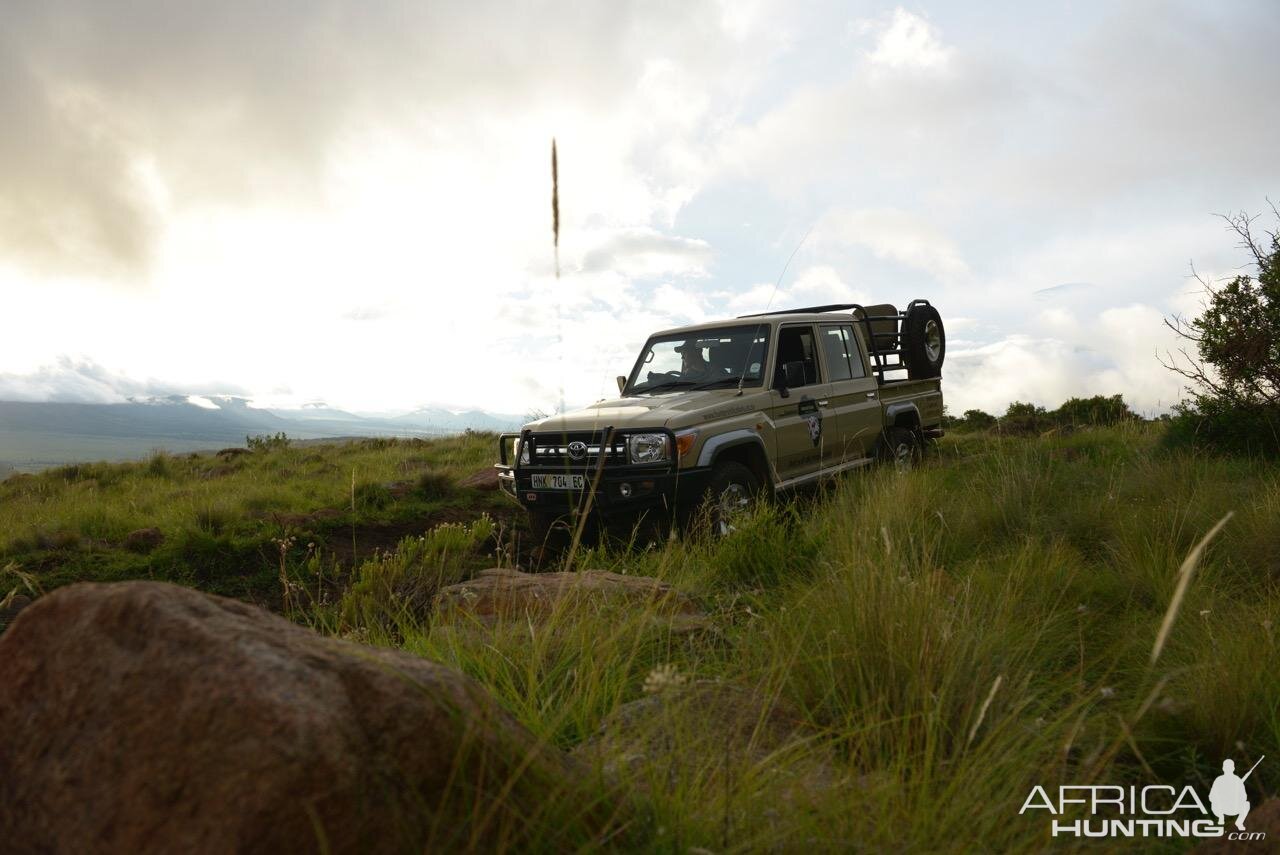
[(871, 394), (823, 403)]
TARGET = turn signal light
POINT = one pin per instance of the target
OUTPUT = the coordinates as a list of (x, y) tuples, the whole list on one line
[(684, 442)]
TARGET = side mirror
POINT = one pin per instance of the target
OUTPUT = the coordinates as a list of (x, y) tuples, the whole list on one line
[(622, 383)]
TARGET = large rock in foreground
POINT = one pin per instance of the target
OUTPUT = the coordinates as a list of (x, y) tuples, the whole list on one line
[(145, 717), (501, 593)]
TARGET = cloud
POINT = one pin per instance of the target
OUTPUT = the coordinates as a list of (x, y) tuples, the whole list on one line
[(119, 118), (644, 252), (1112, 352), (897, 235), (906, 41), (264, 176), (85, 381)]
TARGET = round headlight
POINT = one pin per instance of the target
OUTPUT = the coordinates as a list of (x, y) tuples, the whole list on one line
[(647, 447)]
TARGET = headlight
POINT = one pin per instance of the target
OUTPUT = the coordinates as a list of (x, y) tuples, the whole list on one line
[(647, 447)]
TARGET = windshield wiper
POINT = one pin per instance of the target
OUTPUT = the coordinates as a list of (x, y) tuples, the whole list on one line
[(666, 384), (719, 381)]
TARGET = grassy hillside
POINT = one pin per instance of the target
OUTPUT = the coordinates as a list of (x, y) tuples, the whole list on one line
[(941, 641), (221, 518)]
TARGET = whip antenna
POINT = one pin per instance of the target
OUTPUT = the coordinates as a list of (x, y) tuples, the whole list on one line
[(742, 375)]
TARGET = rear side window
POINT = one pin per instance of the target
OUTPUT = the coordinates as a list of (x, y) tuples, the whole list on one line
[(843, 360), (851, 348)]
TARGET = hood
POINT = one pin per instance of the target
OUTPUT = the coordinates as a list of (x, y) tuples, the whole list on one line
[(639, 411)]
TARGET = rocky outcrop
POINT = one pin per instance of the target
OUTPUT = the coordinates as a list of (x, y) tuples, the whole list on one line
[(10, 606), (146, 717), (498, 593), (485, 479)]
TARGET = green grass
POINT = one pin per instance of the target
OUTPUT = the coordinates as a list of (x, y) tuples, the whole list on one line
[(943, 640), (222, 517)]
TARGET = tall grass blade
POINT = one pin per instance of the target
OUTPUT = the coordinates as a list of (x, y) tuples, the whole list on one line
[(1185, 572)]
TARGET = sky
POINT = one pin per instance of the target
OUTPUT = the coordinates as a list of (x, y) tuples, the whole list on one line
[(349, 202)]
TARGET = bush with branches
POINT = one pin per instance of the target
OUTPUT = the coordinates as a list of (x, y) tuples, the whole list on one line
[(1232, 353)]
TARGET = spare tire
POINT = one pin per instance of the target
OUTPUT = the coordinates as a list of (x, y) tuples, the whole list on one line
[(925, 344)]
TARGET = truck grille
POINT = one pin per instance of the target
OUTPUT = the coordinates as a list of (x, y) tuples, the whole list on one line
[(576, 449)]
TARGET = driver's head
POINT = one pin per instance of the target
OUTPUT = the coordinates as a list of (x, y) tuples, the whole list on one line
[(691, 356)]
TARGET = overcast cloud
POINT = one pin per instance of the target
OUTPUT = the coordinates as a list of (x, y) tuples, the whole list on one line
[(350, 201)]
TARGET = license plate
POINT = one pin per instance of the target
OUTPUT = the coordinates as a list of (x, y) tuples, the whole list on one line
[(559, 482)]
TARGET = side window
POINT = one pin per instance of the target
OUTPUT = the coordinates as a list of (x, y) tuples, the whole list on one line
[(855, 354), (797, 344), (835, 347)]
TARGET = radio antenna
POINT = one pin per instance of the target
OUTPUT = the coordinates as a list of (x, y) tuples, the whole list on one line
[(742, 375)]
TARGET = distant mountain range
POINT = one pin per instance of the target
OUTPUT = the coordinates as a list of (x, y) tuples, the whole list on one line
[(35, 435)]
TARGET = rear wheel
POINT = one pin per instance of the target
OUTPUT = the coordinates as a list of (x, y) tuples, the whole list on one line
[(732, 491), (901, 447)]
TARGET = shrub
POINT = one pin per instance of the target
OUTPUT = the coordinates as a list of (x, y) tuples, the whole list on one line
[(433, 485), (1023, 418), (403, 583), (160, 465), (1211, 422), (1096, 411), (372, 496), (267, 442), (1235, 375)]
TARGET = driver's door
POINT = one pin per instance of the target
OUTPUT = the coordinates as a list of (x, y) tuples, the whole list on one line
[(800, 418)]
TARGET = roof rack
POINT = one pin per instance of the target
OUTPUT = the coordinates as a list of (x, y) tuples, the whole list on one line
[(833, 307), (883, 330)]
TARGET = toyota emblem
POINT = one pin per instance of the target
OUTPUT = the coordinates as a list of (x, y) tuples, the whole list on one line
[(577, 450)]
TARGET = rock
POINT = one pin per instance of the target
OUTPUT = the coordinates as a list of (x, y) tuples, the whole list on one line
[(485, 479), (501, 593), (143, 539), (9, 608), (147, 717), (1263, 818)]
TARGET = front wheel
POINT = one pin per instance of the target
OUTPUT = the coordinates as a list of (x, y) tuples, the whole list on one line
[(732, 491), (549, 536), (901, 447)]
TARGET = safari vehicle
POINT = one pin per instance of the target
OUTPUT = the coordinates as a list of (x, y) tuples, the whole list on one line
[(720, 413)]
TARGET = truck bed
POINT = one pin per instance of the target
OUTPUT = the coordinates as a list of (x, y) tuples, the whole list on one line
[(926, 395)]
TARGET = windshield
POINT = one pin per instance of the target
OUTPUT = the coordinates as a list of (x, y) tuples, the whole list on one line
[(704, 359)]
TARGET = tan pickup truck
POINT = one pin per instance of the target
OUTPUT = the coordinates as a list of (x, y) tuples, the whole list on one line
[(716, 414)]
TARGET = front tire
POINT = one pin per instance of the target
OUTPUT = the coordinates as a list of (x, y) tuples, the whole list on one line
[(731, 493), (549, 535)]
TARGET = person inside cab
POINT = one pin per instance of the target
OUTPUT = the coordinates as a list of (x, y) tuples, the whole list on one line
[(693, 365)]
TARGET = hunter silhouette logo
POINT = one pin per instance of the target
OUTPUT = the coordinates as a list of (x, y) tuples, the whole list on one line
[(1227, 797), (1156, 810)]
